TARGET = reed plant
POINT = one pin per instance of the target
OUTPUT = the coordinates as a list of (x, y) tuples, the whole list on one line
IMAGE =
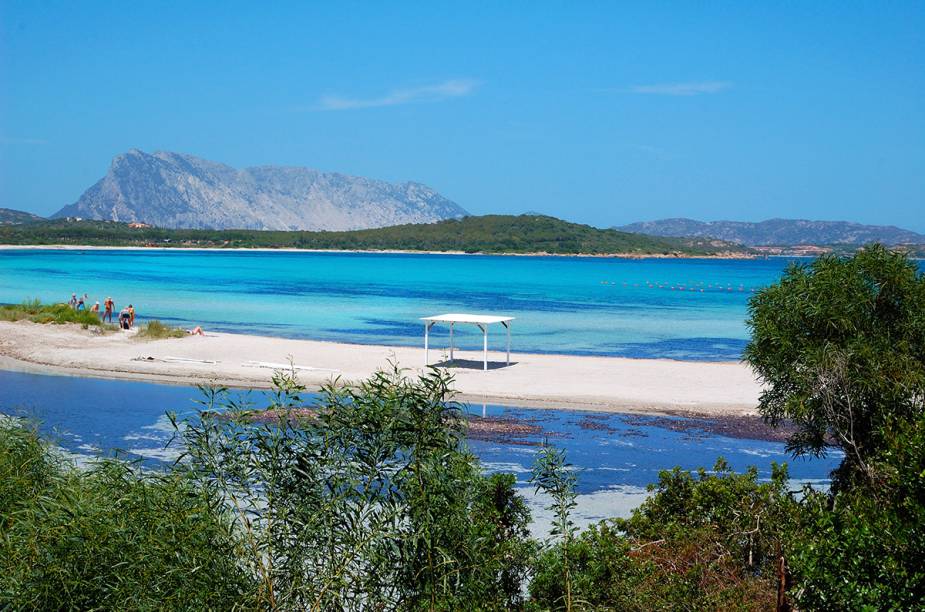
[(373, 502)]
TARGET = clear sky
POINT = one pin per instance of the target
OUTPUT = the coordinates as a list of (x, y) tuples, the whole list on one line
[(602, 113)]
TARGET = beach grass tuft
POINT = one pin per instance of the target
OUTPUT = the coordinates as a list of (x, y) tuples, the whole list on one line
[(155, 330), (37, 312)]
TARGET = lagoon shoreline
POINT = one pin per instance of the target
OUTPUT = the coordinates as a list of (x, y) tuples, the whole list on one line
[(75, 247), (607, 384)]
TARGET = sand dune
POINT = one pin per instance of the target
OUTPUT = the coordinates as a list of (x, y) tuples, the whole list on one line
[(562, 381)]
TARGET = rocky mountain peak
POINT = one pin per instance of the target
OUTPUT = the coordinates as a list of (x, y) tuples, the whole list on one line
[(177, 190)]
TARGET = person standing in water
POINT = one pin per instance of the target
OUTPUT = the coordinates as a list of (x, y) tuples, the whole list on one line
[(73, 301), (131, 316), (95, 309), (108, 305)]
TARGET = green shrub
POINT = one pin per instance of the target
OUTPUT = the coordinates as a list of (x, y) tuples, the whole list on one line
[(704, 541), (862, 549), (109, 537), (155, 329)]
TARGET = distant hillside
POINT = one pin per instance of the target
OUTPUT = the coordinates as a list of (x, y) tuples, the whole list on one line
[(8, 216), (488, 234), (181, 191), (780, 232)]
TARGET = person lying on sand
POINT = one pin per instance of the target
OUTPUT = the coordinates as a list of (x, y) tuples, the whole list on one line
[(196, 331)]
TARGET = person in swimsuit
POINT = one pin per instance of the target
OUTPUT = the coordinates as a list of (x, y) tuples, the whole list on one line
[(108, 305), (131, 316), (95, 308), (124, 318), (80, 304), (73, 301), (196, 331)]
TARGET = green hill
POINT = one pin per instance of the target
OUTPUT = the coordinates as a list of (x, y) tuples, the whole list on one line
[(485, 234), (8, 216)]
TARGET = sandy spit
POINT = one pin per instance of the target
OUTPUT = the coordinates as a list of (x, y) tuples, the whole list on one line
[(608, 384), (75, 247)]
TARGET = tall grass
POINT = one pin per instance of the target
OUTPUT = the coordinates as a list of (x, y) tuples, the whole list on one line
[(37, 312), (155, 329)]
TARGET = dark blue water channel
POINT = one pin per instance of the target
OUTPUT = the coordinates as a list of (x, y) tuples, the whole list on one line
[(92, 417)]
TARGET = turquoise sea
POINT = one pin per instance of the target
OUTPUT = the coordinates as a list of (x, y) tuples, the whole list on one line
[(692, 309)]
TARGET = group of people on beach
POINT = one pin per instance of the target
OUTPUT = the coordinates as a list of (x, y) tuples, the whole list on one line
[(126, 317)]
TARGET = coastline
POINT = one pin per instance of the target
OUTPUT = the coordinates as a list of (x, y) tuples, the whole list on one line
[(607, 384), (76, 247)]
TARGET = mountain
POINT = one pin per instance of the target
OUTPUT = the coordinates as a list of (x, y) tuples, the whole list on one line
[(8, 216), (181, 191), (486, 234), (779, 232)]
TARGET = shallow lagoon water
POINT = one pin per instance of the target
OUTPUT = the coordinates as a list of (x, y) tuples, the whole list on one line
[(659, 308), (615, 455), (94, 416)]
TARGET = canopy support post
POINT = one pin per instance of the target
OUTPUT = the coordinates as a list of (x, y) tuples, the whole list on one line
[(507, 326), (484, 329), (427, 327), (451, 342)]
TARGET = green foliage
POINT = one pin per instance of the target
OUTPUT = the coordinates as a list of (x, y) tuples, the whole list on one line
[(841, 345), (552, 475), (503, 523), (484, 234), (708, 541), (25, 470), (35, 311), (156, 330), (369, 500), (109, 537), (862, 549)]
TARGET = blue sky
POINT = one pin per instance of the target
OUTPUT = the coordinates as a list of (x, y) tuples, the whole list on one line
[(602, 113)]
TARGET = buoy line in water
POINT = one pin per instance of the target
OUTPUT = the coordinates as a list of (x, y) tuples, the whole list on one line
[(699, 287)]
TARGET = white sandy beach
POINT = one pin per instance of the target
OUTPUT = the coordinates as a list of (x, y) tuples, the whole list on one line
[(564, 381)]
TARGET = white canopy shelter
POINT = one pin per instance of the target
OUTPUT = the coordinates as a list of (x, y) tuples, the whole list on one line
[(480, 321)]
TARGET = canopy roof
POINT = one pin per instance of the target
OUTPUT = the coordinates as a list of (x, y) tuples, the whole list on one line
[(467, 318)]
